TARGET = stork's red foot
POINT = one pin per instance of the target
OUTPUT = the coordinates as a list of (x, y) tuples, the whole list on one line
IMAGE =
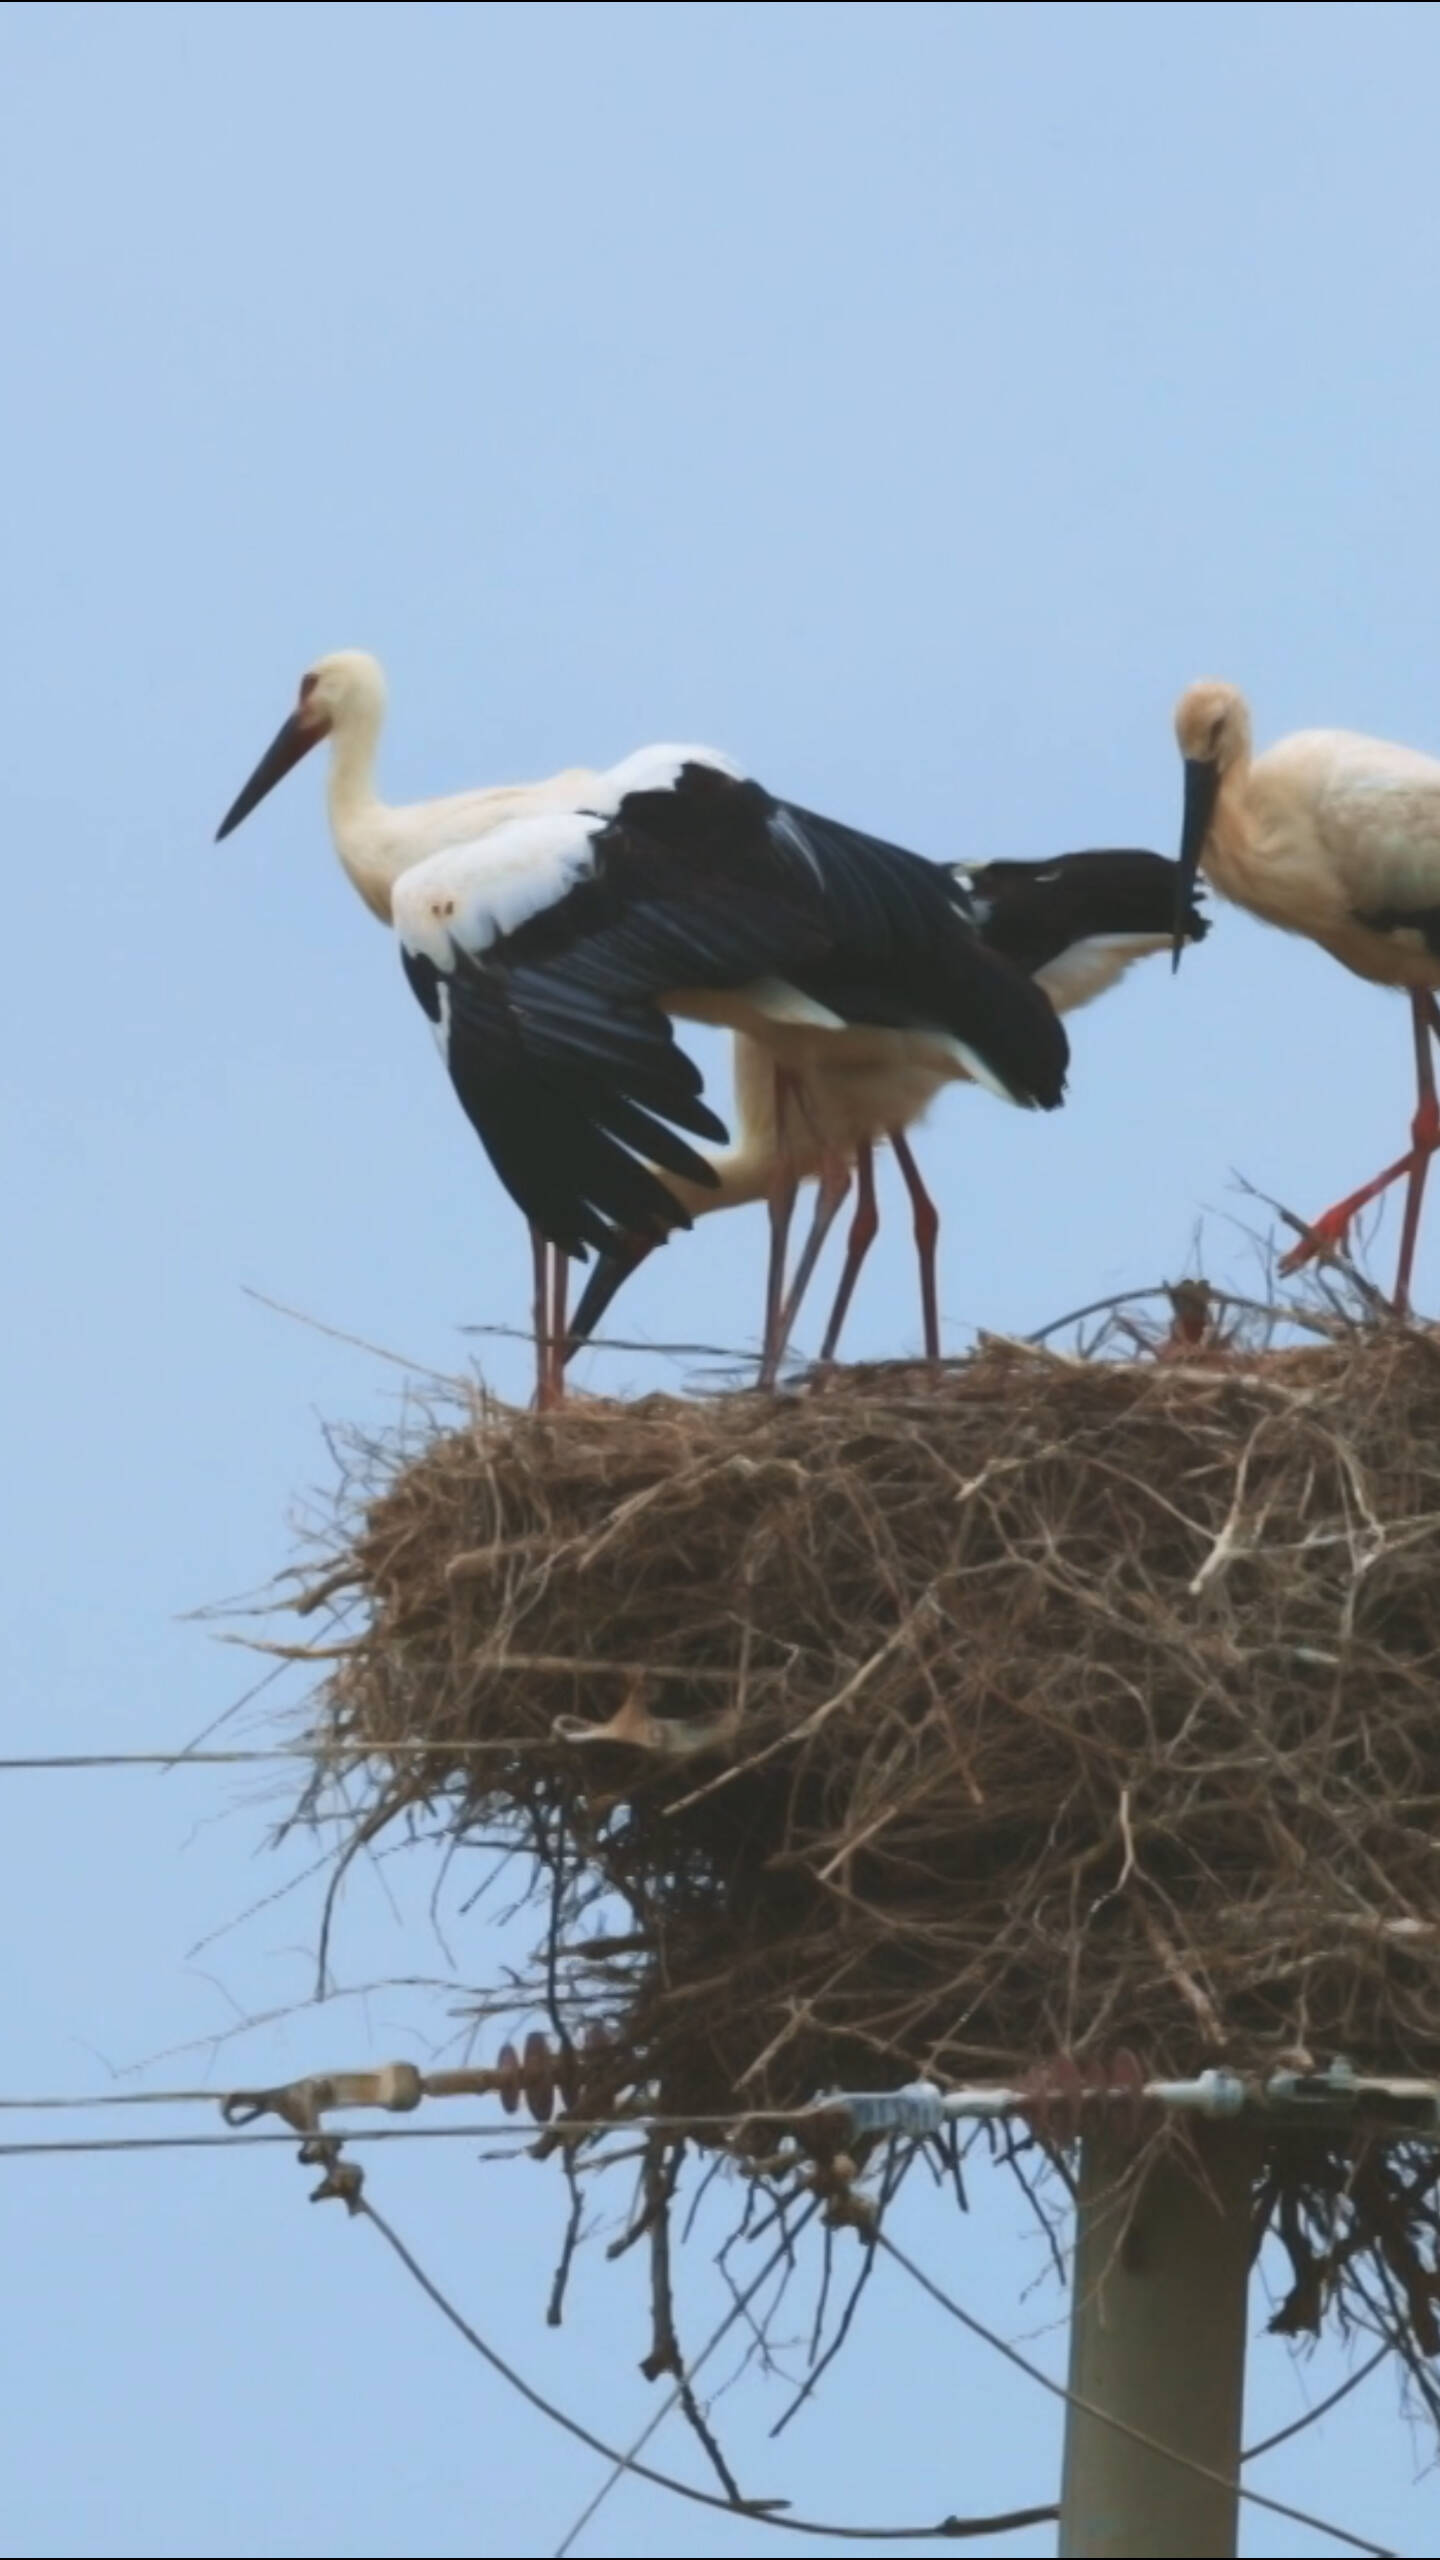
[(1328, 1234)]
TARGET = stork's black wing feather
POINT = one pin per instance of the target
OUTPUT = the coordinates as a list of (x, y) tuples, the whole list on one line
[(552, 1023), (712, 881), (557, 1115)]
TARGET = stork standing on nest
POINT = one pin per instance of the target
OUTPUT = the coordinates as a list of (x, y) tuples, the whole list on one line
[(551, 930), (1335, 836), (1074, 925)]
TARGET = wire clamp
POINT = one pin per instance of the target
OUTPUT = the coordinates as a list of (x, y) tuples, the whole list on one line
[(916, 2110), (344, 2180), (396, 2086)]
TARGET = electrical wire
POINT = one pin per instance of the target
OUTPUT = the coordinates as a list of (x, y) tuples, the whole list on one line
[(951, 2528), (1136, 2435), (82, 2144), (486, 2132), (348, 1754), (948, 2529), (114, 2098), (83, 2101), (1322, 2408), (1252, 2453), (526, 2132)]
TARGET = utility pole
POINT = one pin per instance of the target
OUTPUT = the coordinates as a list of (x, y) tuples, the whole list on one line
[(1157, 2340)]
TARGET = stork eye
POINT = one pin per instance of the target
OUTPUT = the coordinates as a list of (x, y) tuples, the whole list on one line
[(307, 687)]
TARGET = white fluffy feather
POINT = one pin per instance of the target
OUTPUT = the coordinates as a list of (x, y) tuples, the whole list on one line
[(475, 894), (1089, 967), (653, 769)]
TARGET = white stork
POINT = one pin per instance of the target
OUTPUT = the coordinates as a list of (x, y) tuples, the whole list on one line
[(1074, 924), (1335, 836), (551, 930)]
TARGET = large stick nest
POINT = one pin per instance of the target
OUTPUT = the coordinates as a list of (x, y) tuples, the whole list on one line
[(1049, 1707)]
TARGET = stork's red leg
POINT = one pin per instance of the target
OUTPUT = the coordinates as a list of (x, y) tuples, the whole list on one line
[(829, 1199), (927, 1233), (863, 1228), (1333, 1227), (559, 1293), (559, 1306), (783, 1186), (540, 1251), (1425, 1133)]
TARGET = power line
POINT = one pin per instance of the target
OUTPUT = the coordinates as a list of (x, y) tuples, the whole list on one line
[(360, 2133), (81, 2145), (1049, 2515), (917, 2111), (951, 2528), (757, 2511), (348, 1754), (351, 1752), (1071, 2399), (180, 1758), (485, 2132), (114, 2098), (1322, 2408), (91, 2143), (184, 1758), (237, 2141)]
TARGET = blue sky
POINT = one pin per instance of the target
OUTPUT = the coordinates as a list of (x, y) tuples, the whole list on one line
[(908, 399)]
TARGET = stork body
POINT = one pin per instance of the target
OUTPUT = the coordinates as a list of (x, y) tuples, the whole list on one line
[(1334, 836), (552, 932), (1074, 925)]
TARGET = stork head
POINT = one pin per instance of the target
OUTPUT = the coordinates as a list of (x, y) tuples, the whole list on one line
[(1212, 726), (344, 693)]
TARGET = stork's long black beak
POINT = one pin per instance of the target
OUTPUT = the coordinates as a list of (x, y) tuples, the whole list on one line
[(1202, 784), (608, 1277), (285, 750)]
